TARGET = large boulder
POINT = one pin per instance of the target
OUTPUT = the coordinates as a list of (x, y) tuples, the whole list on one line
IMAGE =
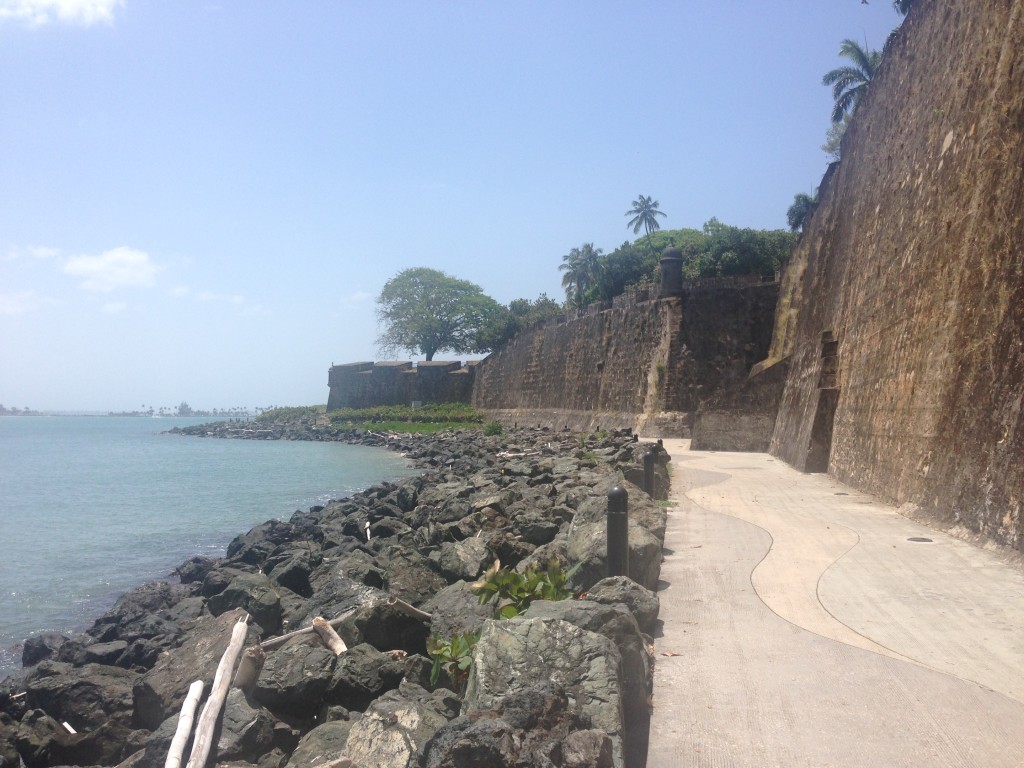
[(246, 731), (641, 602), (322, 745), (512, 655), (255, 594), (588, 552), (616, 623), (361, 675), (41, 647), (161, 691), (462, 559), (296, 676), (526, 730), (456, 610), (86, 697), (409, 575), (397, 726)]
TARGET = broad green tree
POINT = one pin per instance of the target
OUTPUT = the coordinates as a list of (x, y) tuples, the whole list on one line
[(424, 310), (645, 214), (850, 83), (582, 268)]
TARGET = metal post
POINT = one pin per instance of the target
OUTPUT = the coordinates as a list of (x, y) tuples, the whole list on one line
[(618, 532), (649, 458)]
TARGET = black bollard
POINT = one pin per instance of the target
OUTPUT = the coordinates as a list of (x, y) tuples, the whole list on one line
[(618, 532), (649, 458)]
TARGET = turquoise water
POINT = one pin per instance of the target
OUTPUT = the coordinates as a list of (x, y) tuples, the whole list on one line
[(91, 506)]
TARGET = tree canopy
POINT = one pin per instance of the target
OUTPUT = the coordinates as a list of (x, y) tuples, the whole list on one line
[(645, 214), (582, 268), (424, 310), (800, 211)]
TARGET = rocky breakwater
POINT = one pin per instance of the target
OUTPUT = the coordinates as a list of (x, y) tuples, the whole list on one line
[(563, 684)]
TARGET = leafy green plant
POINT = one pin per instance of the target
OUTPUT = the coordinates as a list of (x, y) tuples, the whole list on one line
[(454, 656), (512, 592), (493, 428)]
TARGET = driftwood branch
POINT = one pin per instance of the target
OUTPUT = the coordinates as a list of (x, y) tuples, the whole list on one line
[(249, 669), (274, 642), (203, 741), (331, 638), (411, 610), (185, 718)]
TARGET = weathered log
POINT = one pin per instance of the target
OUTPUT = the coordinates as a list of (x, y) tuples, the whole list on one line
[(249, 669), (274, 642), (184, 729), (331, 638), (203, 741), (411, 610)]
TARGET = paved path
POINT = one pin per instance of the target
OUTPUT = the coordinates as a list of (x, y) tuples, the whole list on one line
[(802, 627)]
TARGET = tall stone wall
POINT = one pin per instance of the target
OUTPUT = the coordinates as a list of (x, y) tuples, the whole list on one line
[(646, 366), (367, 385), (902, 310)]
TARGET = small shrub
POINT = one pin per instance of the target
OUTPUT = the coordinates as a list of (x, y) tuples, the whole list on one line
[(493, 428), (512, 592), (454, 656)]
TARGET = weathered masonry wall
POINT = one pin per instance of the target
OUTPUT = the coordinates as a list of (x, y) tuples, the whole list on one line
[(366, 385), (645, 366), (902, 310)]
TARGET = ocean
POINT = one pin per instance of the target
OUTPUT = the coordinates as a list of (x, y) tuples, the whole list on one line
[(92, 506)]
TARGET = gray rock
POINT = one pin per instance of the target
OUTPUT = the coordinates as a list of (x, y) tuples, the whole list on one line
[(641, 602), (462, 559), (101, 653), (85, 696), (455, 610), (397, 726), (410, 576), (291, 568), (321, 745), (588, 548), (512, 655)]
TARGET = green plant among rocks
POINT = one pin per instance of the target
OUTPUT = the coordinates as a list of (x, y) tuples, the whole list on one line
[(512, 592), (454, 656), (493, 428)]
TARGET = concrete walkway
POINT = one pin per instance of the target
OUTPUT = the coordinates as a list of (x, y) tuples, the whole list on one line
[(801, 626)]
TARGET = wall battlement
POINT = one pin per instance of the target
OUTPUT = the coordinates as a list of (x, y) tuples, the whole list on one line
[(371, 384)]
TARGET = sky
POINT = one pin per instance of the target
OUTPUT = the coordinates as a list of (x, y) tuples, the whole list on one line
[(200, 201)]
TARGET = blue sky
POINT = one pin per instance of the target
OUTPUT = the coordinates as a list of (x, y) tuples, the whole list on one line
[(200, 200)]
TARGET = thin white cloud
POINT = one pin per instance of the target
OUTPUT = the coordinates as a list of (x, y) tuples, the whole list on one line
[(34, 252), (113, 307), (24, 302), (118, 268), (179, 291), (39, 12)]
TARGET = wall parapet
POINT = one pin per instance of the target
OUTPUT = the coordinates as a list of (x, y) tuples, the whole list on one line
[(399, 382)]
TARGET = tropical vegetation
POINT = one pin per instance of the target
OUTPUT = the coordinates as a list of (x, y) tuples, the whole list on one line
[(801, 209), (425, 311), (645, 214), (850, 82), (582, 268)]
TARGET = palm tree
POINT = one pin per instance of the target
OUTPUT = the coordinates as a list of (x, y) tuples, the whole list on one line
[(850, 83), (582, 267), (644, 213), (800, 211)]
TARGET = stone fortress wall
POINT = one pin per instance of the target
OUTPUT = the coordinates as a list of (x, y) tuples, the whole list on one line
[(901, 317), (369, 384), (895, 359)]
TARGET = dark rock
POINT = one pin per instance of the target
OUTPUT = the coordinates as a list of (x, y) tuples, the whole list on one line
[(296, 676), (360, 566), (463, 559), (510, 550), (361, 675), (588, 548), (246, 732), (255, 594), (194, 570), (410, 576), (641, 602), (85, 696), (386, 628), (291, 569), (101, 653), (161, 691), (257, 545), (217, 579), (41, 648)]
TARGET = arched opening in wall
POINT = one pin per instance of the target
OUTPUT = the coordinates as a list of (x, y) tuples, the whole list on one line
[(820, 449)]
